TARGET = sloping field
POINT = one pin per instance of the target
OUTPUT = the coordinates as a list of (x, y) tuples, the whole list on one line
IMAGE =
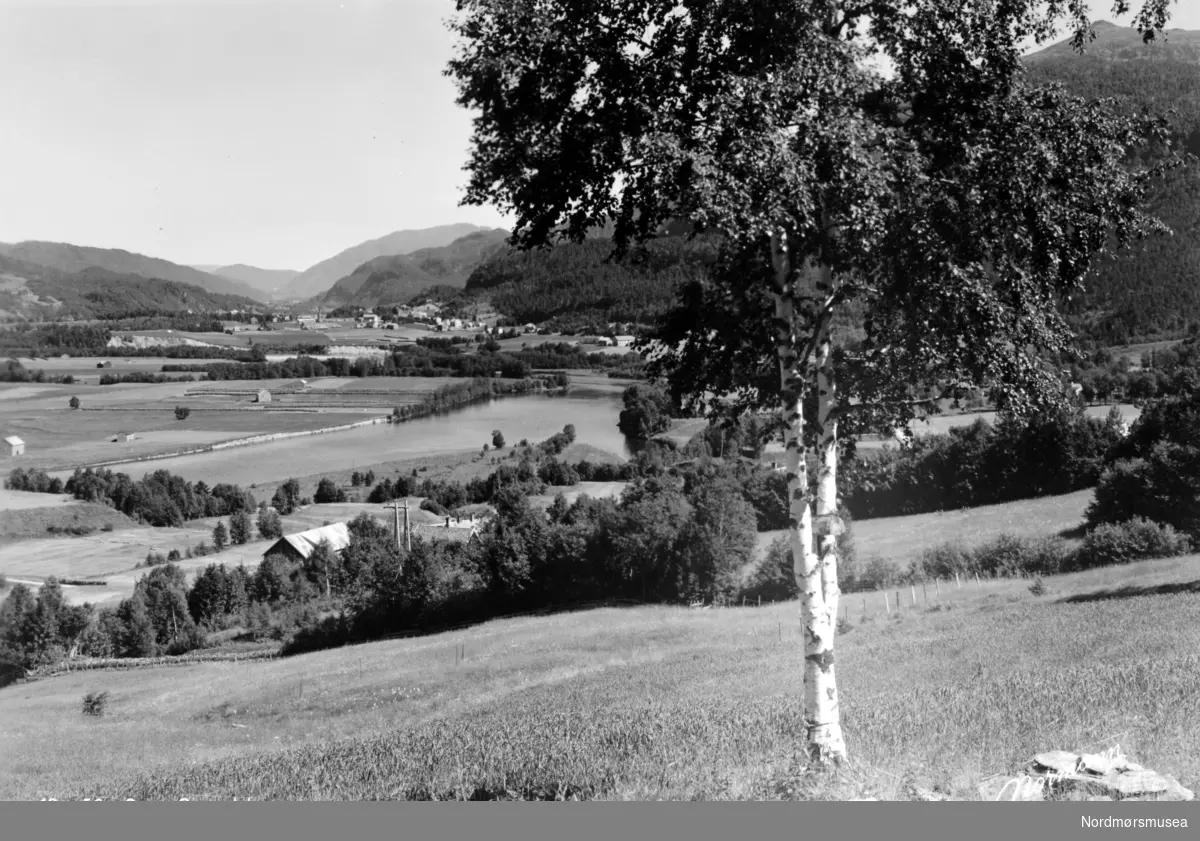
[(113, 556), (900, 539), (641, 703)]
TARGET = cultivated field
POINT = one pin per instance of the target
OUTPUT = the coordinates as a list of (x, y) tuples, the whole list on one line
[(644, 703), (58, 437)]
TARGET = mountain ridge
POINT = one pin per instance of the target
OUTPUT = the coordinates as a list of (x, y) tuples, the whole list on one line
[(29, 291), (320, 277), (71, 259)]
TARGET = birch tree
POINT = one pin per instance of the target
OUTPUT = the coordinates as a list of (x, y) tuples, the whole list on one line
[(875, 164)]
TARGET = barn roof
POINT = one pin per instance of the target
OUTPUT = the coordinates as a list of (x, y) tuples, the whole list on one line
[(13, 440), (306, 542)]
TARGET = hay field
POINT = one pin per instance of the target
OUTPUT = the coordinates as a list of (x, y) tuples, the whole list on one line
[(901, 539), (59, 438), (643, 703)]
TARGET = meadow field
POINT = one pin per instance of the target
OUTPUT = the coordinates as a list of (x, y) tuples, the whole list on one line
[(645, 703), (901, 539)]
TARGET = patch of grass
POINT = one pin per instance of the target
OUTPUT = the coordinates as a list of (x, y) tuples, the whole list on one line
[(643, 703)]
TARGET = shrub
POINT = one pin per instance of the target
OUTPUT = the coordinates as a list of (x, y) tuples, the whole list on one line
[(432, 506), (1013, 557), (74, 402), (497, 439), (182, 412), (1005, 556), (1135, 539), (95, 703)]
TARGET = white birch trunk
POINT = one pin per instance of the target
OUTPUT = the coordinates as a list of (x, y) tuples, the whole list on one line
[(825, 743), (825, 736)]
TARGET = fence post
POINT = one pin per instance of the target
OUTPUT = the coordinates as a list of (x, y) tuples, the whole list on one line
[(957, 583), (886, 607), (924, 590), (937, 587), (864, 598), (897, 601), (912, 588), (977, 584)]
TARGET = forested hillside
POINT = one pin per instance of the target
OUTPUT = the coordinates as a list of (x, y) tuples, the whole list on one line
[(580, 283), (452, 264), (32, 292), (383, 280), (69, 258), (1151, 291)]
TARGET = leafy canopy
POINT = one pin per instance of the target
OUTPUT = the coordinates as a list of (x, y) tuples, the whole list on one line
[(949, 201)]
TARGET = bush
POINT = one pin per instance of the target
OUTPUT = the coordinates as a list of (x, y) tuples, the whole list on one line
[(1005, 556), (74, 402), (95, 703), (497, 439), (433, 507), (182, 412), (1132, 540)]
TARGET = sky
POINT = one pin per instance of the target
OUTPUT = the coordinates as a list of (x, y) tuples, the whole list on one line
[(214, 132)]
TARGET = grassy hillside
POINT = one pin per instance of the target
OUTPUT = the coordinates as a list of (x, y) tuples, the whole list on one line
[(76, 258), (644, 703), (32, 291)]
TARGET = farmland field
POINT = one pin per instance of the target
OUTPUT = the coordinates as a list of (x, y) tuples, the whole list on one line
[(644, 703), (901, 539)]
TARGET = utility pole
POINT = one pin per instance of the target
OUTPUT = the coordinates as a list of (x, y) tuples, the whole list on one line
[(395, 506)]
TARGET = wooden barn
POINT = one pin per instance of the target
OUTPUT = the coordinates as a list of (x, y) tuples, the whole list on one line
[(16, 447), (300, 546), (262, 396)]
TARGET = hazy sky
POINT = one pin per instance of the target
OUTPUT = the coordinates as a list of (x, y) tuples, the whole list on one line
[(214, 131)]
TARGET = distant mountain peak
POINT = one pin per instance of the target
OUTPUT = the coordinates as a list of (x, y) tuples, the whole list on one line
[(322, 276)]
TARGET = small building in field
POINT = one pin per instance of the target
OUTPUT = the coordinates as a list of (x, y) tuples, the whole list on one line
[(16, 447), (300, 546), (123, 437), (262, 396), (453, 530), (624, 341), (530, 328), (104, 364)]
